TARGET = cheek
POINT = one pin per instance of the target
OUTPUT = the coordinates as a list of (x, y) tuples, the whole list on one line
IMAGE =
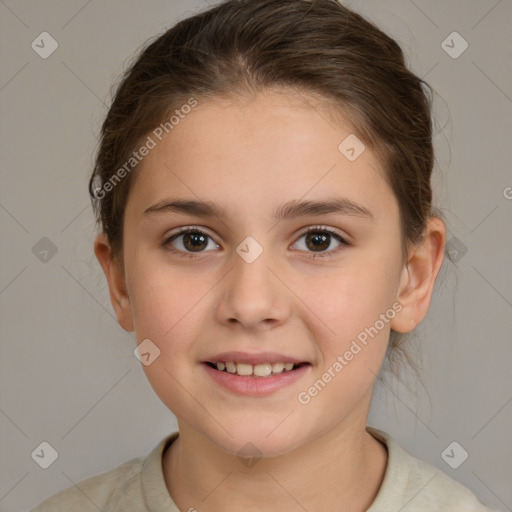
[(169, 305), (160, 297), (356, 311), (168, 309), (353, 311), (349, 300)]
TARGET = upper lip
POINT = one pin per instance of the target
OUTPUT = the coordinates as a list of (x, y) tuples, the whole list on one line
[(253, 358)]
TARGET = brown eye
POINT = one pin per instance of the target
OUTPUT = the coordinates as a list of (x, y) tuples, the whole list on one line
[(320, 242), (195, 241), (190, 241)]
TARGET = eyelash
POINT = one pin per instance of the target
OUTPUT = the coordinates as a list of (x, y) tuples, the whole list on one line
[(313, 229)]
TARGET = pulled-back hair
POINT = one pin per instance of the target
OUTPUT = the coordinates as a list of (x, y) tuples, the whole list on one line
[(318, 48)]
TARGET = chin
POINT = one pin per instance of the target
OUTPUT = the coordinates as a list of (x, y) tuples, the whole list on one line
[(257, 438)]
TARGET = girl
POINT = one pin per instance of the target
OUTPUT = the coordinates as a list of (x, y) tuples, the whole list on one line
[(263, 189)]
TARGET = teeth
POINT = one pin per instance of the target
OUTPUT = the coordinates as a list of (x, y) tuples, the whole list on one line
[(230, 367), (277, 367), (244, 369), (262, 370), (259, 370)]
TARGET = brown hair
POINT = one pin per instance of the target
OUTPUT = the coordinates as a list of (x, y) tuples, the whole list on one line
[(316, 47)]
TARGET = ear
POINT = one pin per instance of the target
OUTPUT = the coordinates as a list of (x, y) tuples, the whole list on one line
[(116, 282), (419, 275)]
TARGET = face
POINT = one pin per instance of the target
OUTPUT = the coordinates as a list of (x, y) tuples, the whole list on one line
[(261, 281)]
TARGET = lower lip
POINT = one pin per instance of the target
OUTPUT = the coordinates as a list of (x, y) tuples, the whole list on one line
[(256, 386)]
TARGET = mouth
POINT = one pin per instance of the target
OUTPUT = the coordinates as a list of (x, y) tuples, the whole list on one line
[(261, 370), (255, 375)]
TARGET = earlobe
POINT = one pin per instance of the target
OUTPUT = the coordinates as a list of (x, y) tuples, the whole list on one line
[(419, 275), (116, 282)]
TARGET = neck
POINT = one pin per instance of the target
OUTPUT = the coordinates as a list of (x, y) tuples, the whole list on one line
[(340, 470)]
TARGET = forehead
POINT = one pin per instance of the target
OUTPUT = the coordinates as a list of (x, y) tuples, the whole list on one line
[(260, 150)]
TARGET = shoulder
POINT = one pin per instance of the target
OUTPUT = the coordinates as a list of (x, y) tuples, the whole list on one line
[(121, 488), (95, 492), (411, 484)]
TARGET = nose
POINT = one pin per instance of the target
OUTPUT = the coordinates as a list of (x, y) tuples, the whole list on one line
[(252, 296)]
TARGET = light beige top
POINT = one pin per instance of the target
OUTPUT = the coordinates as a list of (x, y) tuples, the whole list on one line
[(138, 485)]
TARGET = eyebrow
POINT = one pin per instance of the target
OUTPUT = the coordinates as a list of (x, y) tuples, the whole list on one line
[(288, 210)]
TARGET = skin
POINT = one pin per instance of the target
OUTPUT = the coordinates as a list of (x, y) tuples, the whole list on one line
[(251, 155)]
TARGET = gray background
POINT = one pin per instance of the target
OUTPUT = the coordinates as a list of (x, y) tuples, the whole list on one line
[(68, 373)]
